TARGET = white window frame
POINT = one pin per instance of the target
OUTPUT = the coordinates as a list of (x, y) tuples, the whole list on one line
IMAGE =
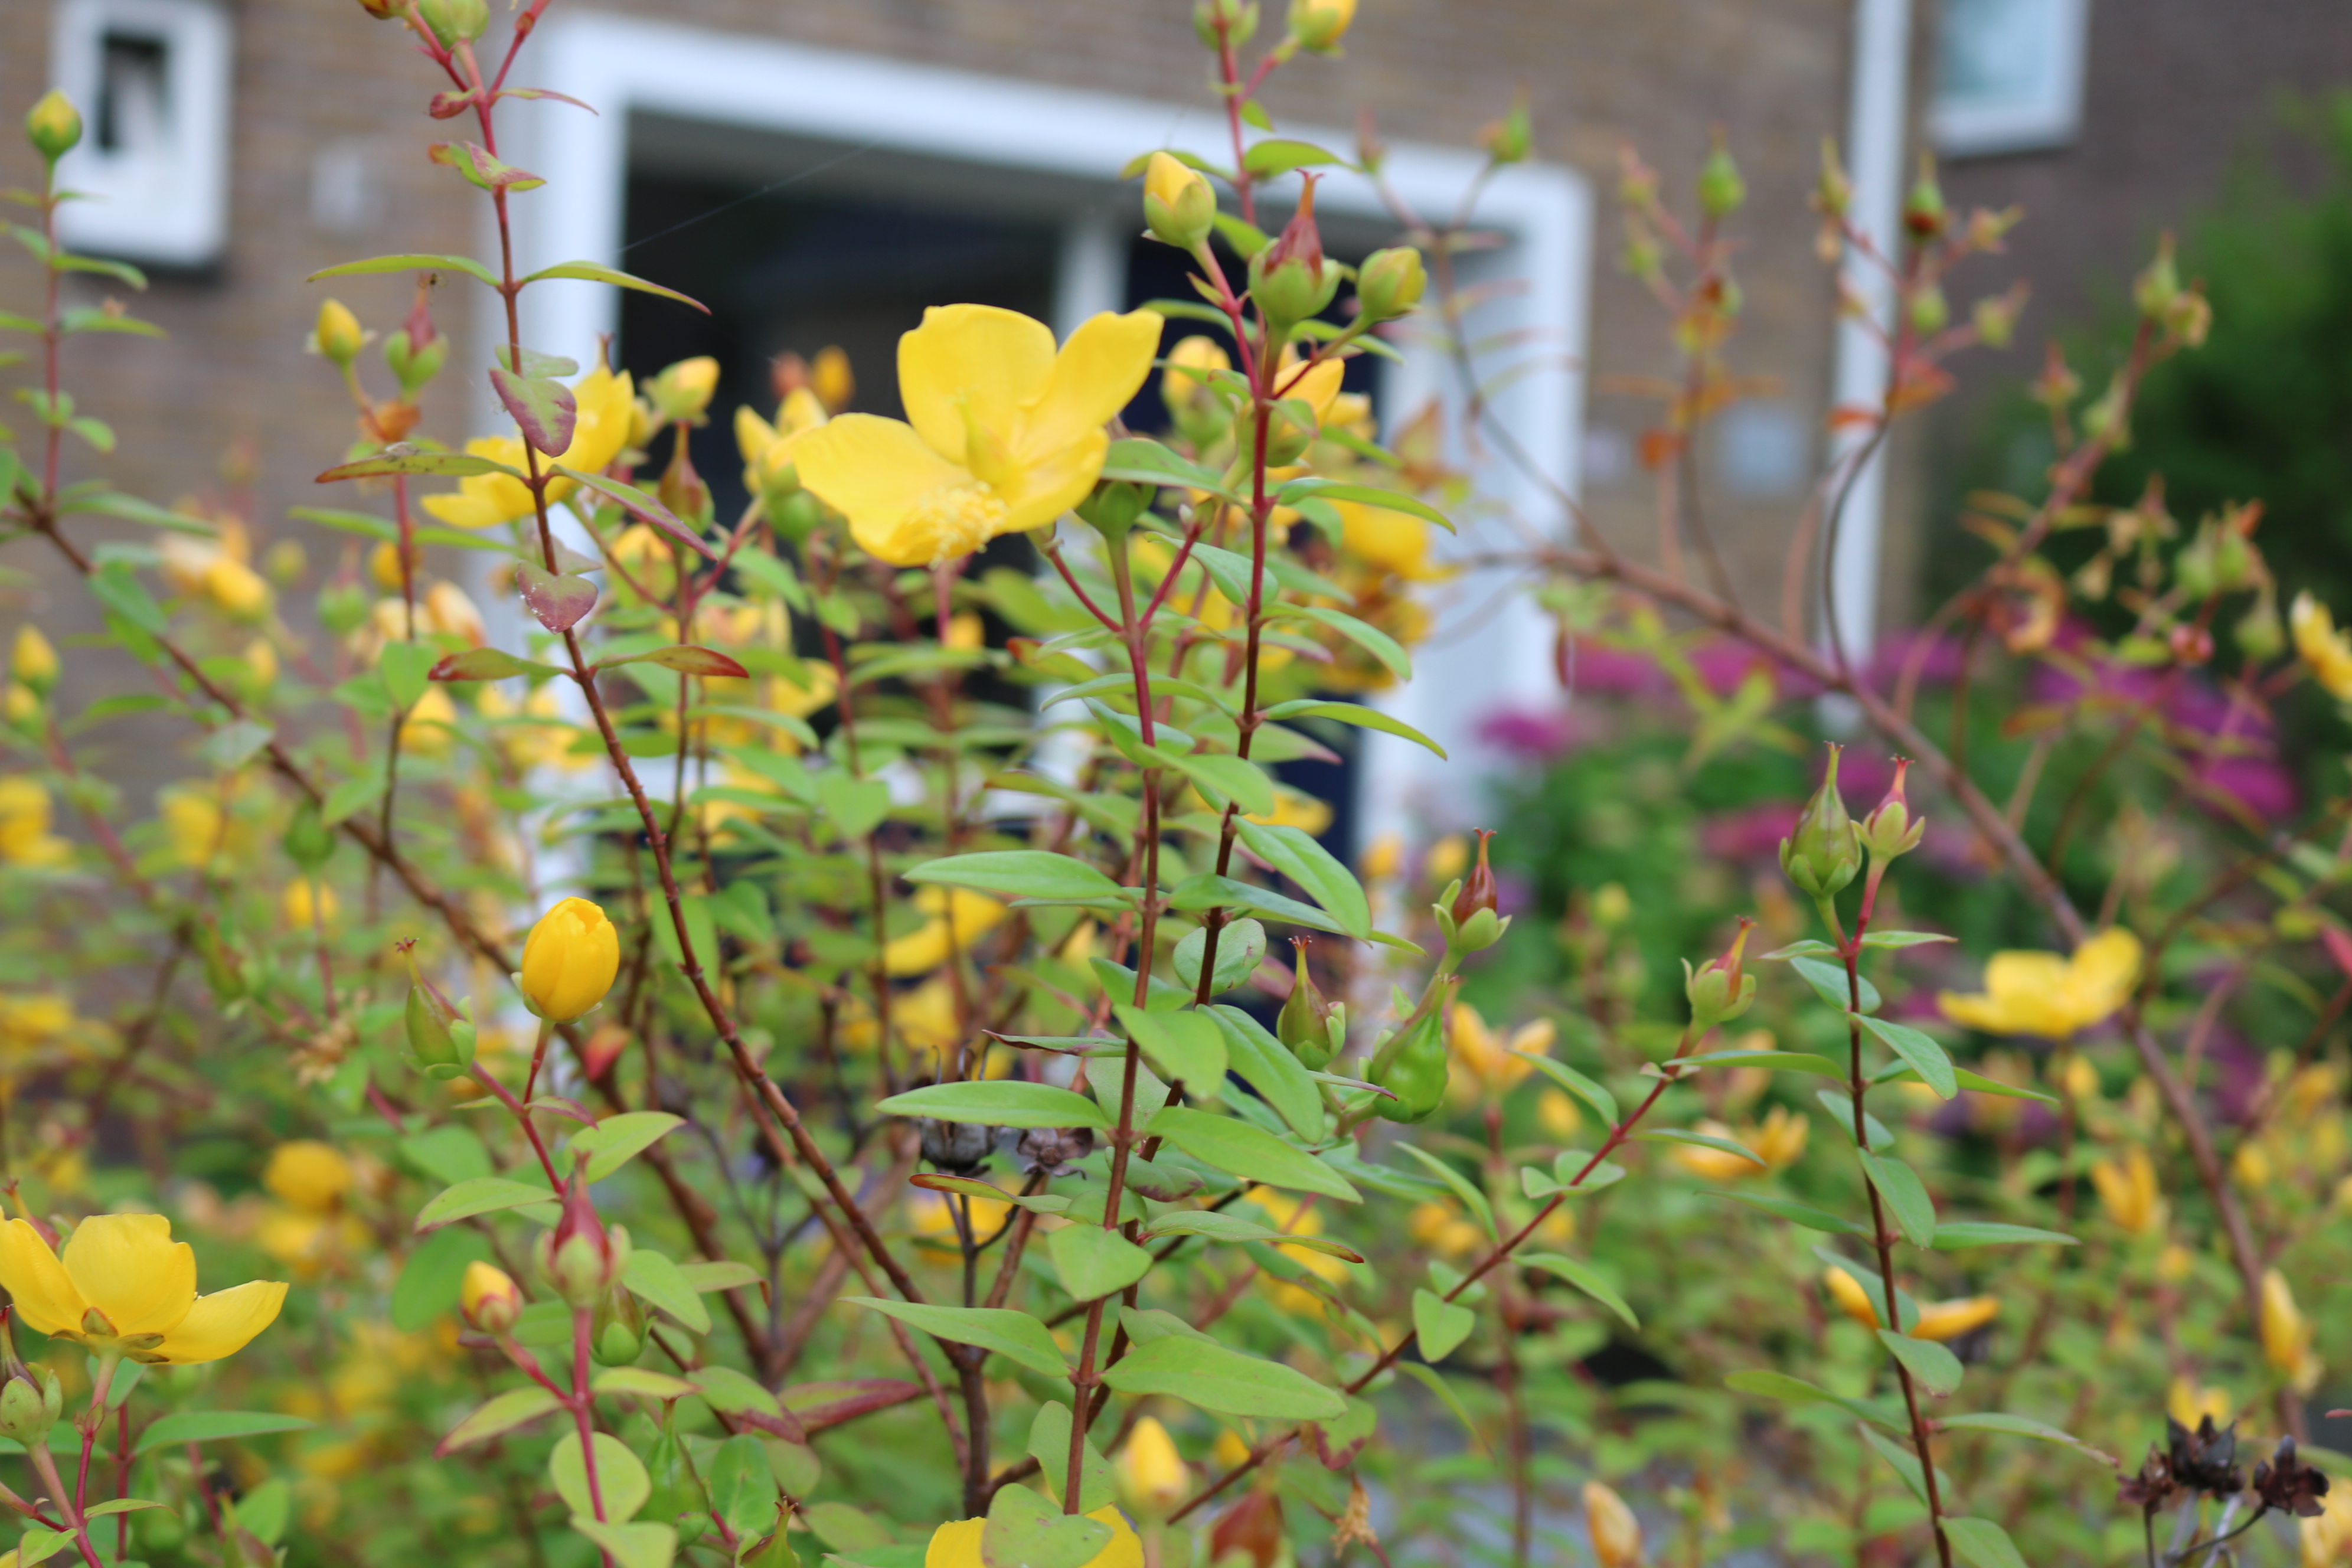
[(170, 206), (1961, 129), (1498, 657)]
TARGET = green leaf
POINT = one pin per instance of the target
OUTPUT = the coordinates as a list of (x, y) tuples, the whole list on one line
[(637, 503), (998, 1102), (1234, 779), (1980, 1084), (406, 665), (1209, 891), (1603, 1103), (1094, 1262), (1981, 1543), (1354, 714), (1903, 937), (1280, 155), (1472, 1198), (732, 1392), (1024, 1531), (654, 1280), (1793, 1212), (1828, 981), (621, 1477), (2022, 1427), (592, 272), (1428, 1378), (234, 744), (1218, 1226), (38, 1546), (483, 1195), (1134, 460), (1182, 1046), (1960, 1232), (1931, 1366), (742, 1488), (1240, 946), (1208, 1374), (182, 1426), (1920, 1050), (1904, 1463), (486, 664), (1811, 947), (1904, 1193), (1049, 1445), (351, 797), (1281, 1080), (723, 1275), (431, 1279), (1016, 1336), (641, 1383), (1312, 488), (482, 169), (1371, 638), (121, 1505), (1703, 1140), (465, 264), (1768, 1062), (1022, 874), (616, 1140), (1582, 1275), (1789, 1389), (1295, 853), (645, 1544), (1241, 1150), (502, 1413), (1441, 1325), (403, 459), (116, 586)]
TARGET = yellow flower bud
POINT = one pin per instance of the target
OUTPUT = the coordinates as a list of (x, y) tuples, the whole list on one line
[(53, 126), (2126, 1189), (1851, 1299), (1950, 1320), (2286, 1333), (19, 704), (338, 336), (261, 658), (2188, 1404), (682, 391), (234, 588), (308, 1174), (384, 566), (1177, 205), (1150, 1471), (490, 1297), (1319, 24), (32, 661), (1447, 856), (1382, 856), (1616, 1533), (753, 435), (1558, 1116), (830, 378), (430, 727), (307, 905), (568, 961)]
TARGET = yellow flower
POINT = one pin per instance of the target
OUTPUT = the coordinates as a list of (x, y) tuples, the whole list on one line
[(1002, 434), (1950, 1320), (261, 658), (1292, 1218), (1296, 808), (32, 660), (925, 1017), (958, 919), (1479, 1063), (1848, 1293), (957, 1546), (430, 727), (308, 1174), (1394, 542), (2287, 1334), (1383, 858), (2249, 1167), (19, 704), (197, 827), (1781, 1138), (1712, 1164), (2048, 996), (303, 906), (1229, 1449), (1616, 1533), (235, 589), (1184, 386), (537, 735), (25, 817), (1558, 1115), (1150, 1471), (2326, 1540), (2327, 651), (605, 403), (569, 960), (450, 611), (831, 379), (1441, 1227), (2188, 1404), (124, 1283), (966, 632), (30, 1021), (2127, 1192), (1447, 858)]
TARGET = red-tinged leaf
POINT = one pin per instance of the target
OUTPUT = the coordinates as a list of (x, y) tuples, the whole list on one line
[(639, 505), (449, 105), (685, 659), (777, 1423), (546, 92), (543, 408), (2339, 947), (557, 603), (823, 1404), (597, 272), (485, 664), (483, 168), (403, 459)]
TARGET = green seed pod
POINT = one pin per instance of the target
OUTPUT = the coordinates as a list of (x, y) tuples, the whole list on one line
[(1825, 852), (54, 126), (1303, 1023)]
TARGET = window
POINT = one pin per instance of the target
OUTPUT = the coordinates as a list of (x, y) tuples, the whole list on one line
[(2009, 75), (866, 188), (152, 80)]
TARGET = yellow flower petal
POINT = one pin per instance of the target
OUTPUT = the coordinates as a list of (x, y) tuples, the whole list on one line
[(955, 1544), (1040, 492), (37, 1281), (883, 477), (129, 1268), (973, 364), (225, 1322), (1098, 373)]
